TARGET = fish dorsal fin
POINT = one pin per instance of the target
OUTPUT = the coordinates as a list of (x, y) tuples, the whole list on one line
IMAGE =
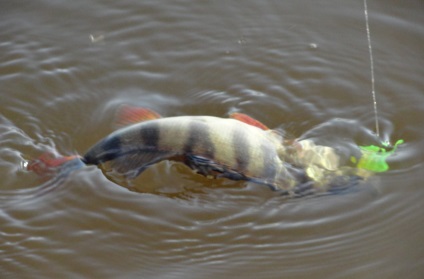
[(248, 120), (127, 115)]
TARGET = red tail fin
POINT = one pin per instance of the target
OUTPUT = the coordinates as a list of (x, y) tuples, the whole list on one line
[(48, 163)]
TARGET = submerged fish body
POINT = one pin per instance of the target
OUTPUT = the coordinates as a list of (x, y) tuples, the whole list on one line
[(237, 148), (212, 146)]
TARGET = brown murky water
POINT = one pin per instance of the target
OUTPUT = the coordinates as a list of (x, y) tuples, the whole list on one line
[(67, 66)]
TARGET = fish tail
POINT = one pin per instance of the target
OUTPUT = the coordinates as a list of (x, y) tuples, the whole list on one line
[(49, 164)]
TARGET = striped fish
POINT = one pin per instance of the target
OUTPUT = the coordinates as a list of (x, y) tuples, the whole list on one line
[(236, 148)]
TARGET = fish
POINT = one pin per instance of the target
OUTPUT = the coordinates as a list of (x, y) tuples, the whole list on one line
[(235, 148)]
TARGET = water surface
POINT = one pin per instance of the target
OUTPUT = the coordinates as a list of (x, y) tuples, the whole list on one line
[(67, 66)]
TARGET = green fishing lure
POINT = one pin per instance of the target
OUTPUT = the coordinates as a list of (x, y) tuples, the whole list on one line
[(374, 157)]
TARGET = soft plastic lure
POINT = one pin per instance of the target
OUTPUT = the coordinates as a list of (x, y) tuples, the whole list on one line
[(374, 157)]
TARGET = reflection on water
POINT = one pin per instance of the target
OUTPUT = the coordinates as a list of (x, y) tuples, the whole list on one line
[(66, 67)]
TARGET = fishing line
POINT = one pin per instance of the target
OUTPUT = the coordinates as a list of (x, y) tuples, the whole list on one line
[(374, 157), (374, 99)]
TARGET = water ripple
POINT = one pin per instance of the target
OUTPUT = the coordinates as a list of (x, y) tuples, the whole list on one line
[(66, 67)]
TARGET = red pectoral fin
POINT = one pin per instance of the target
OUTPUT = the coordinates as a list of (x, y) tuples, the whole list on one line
[(127, 115), (248, 120)]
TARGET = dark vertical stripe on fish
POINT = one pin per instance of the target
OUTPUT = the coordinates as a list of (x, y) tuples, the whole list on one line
[(150, 135), (109, 149), (199, 140), (241, 149)]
